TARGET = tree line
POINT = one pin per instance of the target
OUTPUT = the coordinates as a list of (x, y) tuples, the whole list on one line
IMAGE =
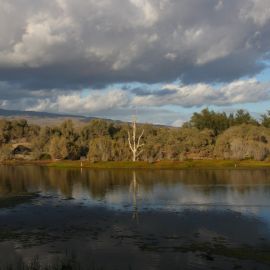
[(208, 134)]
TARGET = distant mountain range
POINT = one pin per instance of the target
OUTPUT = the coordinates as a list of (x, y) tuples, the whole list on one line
[(46, 118), (13, 113), (42, 117)]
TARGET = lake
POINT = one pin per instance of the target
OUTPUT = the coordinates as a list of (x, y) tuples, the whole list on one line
[(126, 219)]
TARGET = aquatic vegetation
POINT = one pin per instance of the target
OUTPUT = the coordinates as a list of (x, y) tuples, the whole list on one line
[(13, 200), (67, 262)]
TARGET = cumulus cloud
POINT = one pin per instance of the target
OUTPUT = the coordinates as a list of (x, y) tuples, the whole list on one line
[(74, 44), (147, 102), (75, 103), (256, 10), (236, 92), (51, 50)]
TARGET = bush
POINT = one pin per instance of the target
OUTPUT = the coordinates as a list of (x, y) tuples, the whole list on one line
[(6, 152), (243, 142), (58, 148)]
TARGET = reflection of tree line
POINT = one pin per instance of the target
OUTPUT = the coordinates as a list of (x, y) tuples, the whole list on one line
[(99, 182)]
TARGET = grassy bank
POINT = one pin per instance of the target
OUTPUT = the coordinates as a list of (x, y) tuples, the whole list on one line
[(146, 165), (163, 164)]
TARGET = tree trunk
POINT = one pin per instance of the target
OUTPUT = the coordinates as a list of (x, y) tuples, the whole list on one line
[(134, 143)]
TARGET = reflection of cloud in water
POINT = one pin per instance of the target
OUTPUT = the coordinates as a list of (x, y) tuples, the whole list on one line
[(99, 233), (175, 208), (240, 190), (179, 196)]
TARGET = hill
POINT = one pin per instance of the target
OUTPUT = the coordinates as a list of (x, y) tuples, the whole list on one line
[(42, 118)]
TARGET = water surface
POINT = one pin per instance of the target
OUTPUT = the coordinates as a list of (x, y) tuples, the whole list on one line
[(144, 219)]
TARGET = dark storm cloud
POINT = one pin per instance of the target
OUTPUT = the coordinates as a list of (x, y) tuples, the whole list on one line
[(67, 44)]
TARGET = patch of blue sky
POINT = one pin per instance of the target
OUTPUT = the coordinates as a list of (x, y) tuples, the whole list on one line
[(145, 86), (264, 76), (184, 110), (85, 92)]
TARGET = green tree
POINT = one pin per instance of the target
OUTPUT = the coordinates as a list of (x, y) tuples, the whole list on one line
[(245, 141), (68, 131), (6, 152), (100, 149), (244, 117), (5, 131), (265, 119), (218, 122), (58, 148)]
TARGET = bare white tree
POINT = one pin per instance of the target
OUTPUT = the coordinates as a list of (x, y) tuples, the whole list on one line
[(134, 142)]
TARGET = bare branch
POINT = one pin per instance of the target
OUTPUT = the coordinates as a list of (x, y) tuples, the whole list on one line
[(129, 142), (140, 138), (139, 153), (141, 145), (134, 143)]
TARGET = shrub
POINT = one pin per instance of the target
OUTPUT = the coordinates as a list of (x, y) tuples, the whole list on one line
[(243, 142)]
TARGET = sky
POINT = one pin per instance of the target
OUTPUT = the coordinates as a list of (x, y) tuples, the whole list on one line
[(159, 59)]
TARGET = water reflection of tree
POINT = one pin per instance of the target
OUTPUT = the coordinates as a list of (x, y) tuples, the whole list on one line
[(134, 190), (101, 182)]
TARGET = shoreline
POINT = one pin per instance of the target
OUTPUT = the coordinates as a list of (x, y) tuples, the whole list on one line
[(159, 165)]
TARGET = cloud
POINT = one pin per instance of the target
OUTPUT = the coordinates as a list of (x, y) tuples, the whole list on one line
[(236, 92), (151, 105), (75, 103), (258, 11), (51, 51), (71, 45)]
